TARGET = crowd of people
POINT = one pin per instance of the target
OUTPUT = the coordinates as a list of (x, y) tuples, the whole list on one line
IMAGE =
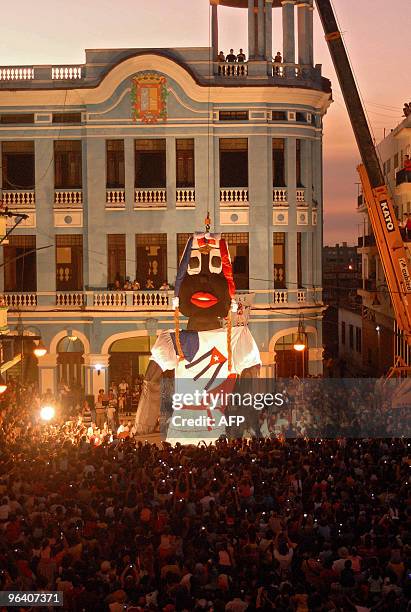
[(129, 285), (271, 524)]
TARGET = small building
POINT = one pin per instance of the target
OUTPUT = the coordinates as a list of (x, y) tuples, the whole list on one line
[(382, 341)]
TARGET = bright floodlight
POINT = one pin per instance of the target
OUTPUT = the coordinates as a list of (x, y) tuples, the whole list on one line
[(299, 346), (40, 350), (47, 413)]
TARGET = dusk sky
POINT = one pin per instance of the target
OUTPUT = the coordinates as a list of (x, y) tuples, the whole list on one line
[(376, 32)]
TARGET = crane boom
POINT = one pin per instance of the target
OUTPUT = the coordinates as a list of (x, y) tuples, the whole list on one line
[(383, 220)]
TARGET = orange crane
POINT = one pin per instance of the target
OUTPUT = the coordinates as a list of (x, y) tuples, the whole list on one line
[(391, 249)]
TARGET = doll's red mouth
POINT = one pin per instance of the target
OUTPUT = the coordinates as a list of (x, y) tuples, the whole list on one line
[(203, 300)]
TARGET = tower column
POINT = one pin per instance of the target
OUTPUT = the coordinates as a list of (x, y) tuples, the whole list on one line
[(310, 34), (288, 31), (261, 29), (251, 30), (214, 29), (303, 9), (269, 31)]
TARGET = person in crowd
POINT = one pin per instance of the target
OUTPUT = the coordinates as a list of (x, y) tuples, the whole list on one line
[(111, 413), (165, 286), (231, 57), (135, 285), (277, 61), (123, 386), (87, 417), (221, 61), (241, 57), (100, 413)]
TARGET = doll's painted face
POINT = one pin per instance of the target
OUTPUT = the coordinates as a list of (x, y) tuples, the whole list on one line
[(204, 291)]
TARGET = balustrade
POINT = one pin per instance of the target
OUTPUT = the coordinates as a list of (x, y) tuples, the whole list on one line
[(17, 301), (234, 195), (23, 73), (185, 197), (280, 196), (300, 196), (68, 198), (280, 297), (110, 299), (229, 69), (115, 198), (151, 197), (287, 70), (301, 296), (69, 299), (20, 198), (66, 73), (156, 300)]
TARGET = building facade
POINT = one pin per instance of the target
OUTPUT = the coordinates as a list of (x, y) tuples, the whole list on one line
[(341, 278), (382, 342), (116, 161)]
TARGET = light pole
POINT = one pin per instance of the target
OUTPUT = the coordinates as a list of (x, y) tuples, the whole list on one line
[(301, 342), (39, 350)]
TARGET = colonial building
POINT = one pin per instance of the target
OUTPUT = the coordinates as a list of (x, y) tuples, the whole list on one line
[(117, 160), (382, 341)]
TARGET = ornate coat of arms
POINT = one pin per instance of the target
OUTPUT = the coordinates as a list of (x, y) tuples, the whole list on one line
[(149, 97)]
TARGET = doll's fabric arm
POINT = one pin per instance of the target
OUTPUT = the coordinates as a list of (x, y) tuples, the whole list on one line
[(164, 358)]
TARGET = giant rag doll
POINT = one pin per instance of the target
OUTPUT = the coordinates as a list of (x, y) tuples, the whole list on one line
[(207, 356)]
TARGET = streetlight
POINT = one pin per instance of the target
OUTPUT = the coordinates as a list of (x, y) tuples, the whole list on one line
[(301, 342), (39, 350)]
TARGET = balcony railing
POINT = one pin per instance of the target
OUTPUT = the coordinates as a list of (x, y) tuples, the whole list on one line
[(20, 301), (234, 196), (280, 296), (280, 196), (138, 300), (155, 198), (70, 299), (13, 73), (68, 198), (301, 296), (185, 198), (115, 198), (300, 196), (102, 300), (283, 71), (20, 198), (403, 176), (66, 73), (230, 69)]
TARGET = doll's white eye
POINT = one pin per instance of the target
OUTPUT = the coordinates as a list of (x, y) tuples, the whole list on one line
[(194, 265), (216, 264)]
